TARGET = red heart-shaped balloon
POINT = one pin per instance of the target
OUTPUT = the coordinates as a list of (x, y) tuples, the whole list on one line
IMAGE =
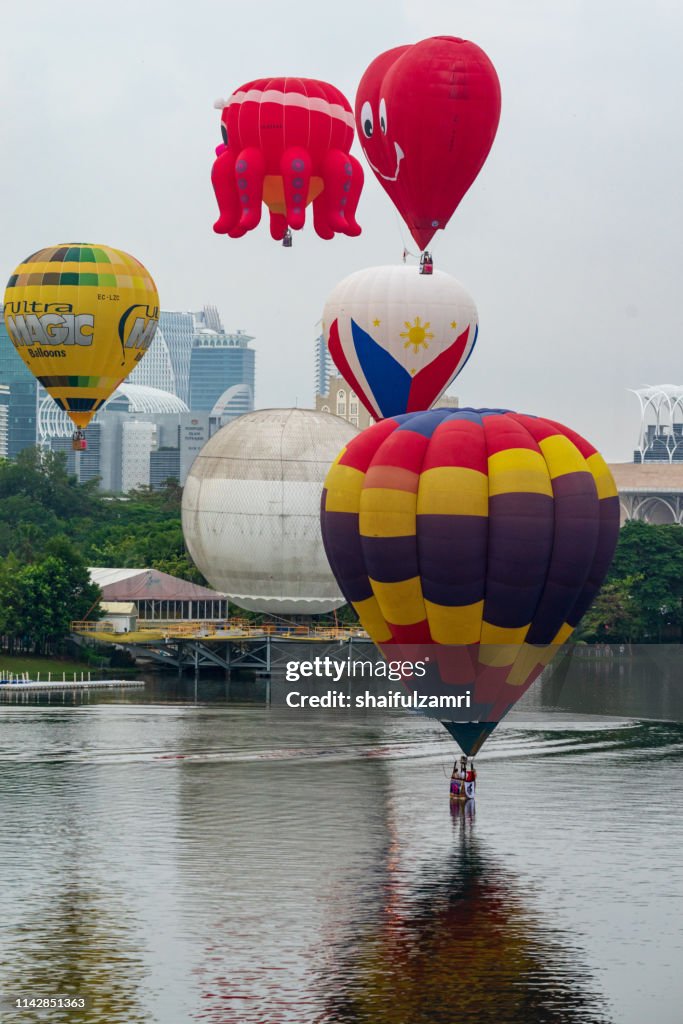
[(427, 116)]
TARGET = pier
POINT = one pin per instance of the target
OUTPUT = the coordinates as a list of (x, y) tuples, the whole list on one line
[(192, 645), (20, 688)]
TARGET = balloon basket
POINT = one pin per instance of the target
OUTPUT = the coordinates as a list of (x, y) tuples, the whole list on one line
[(463, 781)]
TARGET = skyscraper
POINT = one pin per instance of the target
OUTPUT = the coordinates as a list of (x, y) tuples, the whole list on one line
[(155, 370), (4, 420), (178, 333), (323, 365), (21, 401), (178, 330), (220, 362)]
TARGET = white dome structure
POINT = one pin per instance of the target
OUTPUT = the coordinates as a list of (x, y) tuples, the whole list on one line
[(133, 398), (251, 510)]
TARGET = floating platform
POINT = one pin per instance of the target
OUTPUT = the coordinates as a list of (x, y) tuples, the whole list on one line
[(21, 686)]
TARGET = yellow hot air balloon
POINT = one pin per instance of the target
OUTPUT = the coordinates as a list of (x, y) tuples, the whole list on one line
[(81, 317)]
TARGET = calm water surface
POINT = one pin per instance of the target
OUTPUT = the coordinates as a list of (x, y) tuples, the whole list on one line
[(179, 863)]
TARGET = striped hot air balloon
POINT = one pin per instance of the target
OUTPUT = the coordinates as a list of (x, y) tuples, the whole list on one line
[(475, 537)]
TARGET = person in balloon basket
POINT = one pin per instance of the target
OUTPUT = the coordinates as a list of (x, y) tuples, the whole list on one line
[(458, 776), (463, 779), (426, 263)]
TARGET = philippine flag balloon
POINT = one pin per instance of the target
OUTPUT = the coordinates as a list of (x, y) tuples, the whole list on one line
[(427, 116), (399, 337)]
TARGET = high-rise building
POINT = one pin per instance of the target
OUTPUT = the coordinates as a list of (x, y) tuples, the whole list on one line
[(85, 465), (164, 464), (208, 317), (22, 398), (138, 441), (219, 363), (178, 330), (155, 369), (4, 420), (12, 366), (324, 368), (21, 427)]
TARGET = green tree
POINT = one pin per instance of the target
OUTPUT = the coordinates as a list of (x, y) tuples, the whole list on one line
[(614, 616), (50, 594), (642, 598)]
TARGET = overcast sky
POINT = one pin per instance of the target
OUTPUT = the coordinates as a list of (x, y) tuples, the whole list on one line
[(570, 240)]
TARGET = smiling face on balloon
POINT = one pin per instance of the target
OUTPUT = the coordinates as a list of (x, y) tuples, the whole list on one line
[(426, 116), (382, 149)]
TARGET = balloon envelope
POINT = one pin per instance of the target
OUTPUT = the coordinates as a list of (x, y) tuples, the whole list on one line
[(427, 116), (399, 337), (251, 510), (286, 142), (474, 538), (81, 317)]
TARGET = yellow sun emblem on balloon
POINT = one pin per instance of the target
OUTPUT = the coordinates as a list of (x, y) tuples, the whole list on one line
[(416, 334)]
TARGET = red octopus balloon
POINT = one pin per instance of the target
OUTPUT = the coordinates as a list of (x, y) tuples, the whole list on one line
[(427, 116), (286, 142)]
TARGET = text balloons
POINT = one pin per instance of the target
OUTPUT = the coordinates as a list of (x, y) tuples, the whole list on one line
[(427, 116), (479, 535), (399, 337), (81, 317), (286, 143)]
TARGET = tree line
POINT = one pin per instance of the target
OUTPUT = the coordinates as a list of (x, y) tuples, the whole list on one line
[(52, 528)]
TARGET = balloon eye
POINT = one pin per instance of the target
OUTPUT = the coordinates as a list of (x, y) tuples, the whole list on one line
[(366, 120), (224, 133), (383, 116)]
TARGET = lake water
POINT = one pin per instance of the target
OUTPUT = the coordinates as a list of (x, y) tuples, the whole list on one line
[(174, 862)]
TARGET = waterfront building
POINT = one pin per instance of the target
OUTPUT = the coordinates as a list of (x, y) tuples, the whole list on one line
[(218, 363), (159, 597), (651, 487), (650, 492)]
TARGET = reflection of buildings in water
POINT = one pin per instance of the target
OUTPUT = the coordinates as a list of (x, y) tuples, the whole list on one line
[(77, 942), (458, 941), (269, 845), (640, 680)]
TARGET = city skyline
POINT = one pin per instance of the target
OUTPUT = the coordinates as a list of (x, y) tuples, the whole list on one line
[(569, 240)]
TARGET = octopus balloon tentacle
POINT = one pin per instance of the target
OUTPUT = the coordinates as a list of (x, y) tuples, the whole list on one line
[(343, 176), (295, 165)]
